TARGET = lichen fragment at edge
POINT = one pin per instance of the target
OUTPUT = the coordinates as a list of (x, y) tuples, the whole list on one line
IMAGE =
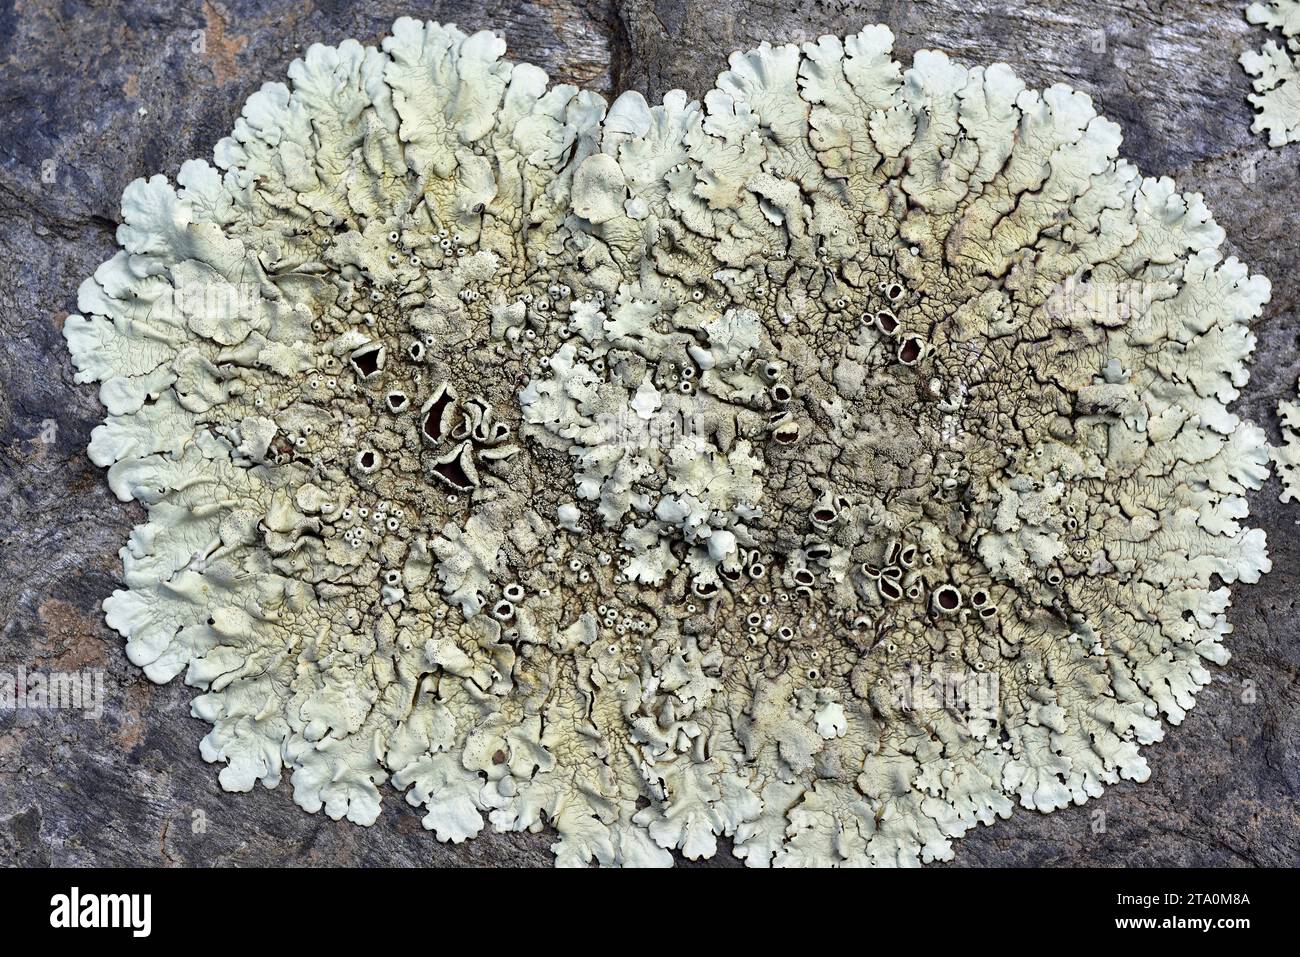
[(1277, 97), (1277, 94)]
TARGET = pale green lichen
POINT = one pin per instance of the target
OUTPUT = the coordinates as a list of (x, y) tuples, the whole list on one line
[(1287, 455), (1277, 96), (1277, 92), (652, 472)]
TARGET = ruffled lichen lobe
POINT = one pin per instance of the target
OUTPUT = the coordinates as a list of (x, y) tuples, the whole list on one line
[(831, 464), (1277, 97), (1274, 72)]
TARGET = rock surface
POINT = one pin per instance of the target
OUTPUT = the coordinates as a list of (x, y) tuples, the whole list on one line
[(92, 98)]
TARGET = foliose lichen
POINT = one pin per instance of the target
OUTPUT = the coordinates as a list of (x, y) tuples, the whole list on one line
[(1287, 455), (1277, 92), (831, 465), (1277, 97)]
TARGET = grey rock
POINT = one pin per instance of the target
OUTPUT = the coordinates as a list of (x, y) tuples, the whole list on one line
[(92, 98)]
